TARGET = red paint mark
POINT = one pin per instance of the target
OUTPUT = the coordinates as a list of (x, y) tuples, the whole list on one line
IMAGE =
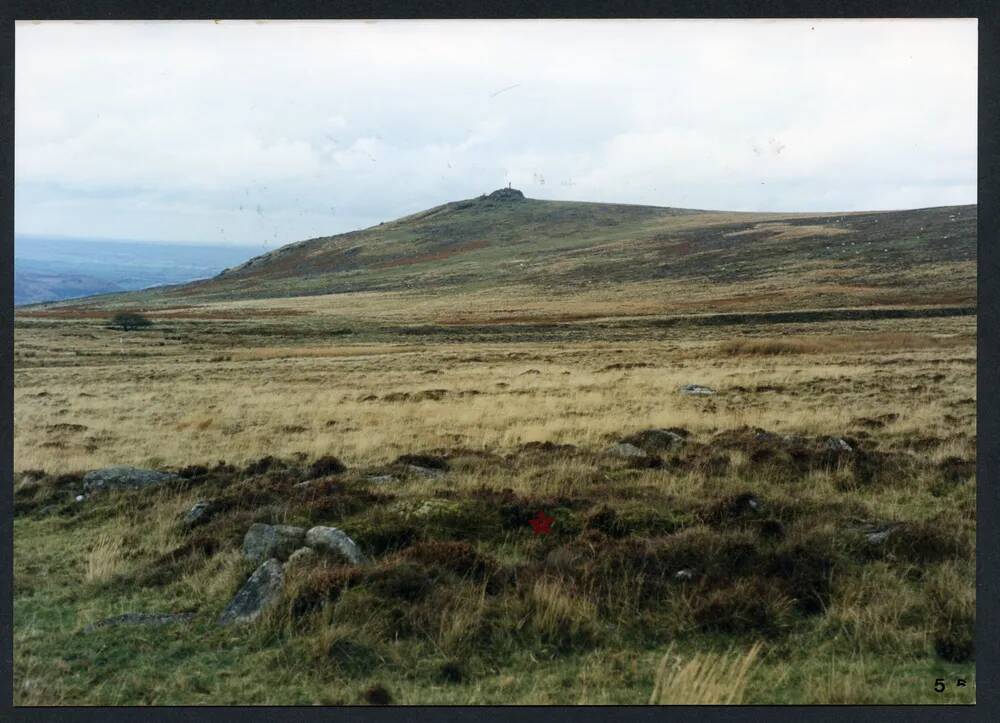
[(541, 523)]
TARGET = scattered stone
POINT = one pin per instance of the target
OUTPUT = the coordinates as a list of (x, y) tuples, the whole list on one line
[(125, 477), (197, 514), (384, 479), (303, 554), (80, 498), (263, 541), (529, 371), (696, 390), (683, 575), (836, 444), (424, 471), (422, 460), (259, 592), (879, 536), (330, 539), (655, 440), (149, 619), (624, 449)]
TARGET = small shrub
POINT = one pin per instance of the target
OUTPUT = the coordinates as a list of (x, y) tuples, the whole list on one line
[(956, 643), (458, 557), (377, 695), (340, 647), (319, 586), (127, 321), (746, 606), (927, 542), (326, 465), (451, 672), (380, 531), (401, 581)]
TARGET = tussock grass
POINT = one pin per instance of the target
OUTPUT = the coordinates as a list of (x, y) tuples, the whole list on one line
[(461, 603), (105, 560), (704, 679), (839, 344)]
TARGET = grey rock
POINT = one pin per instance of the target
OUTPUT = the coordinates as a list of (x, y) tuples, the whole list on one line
[(80, 498), (263, 541), (148, 619), (258, 593), (125, 477), (696, 390), (197, 514), (655, 440), (303, 554), (878, 535), (683, 575), (836, 444), (624, 449), (332, 540), (384, 479)]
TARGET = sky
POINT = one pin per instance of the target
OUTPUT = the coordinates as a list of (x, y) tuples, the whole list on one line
[(264, 133)]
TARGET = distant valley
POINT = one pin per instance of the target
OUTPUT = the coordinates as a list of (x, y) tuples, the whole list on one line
[(54, 269)]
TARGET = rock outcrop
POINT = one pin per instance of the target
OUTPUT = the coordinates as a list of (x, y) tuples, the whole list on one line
[(263, 541), (258, 593)]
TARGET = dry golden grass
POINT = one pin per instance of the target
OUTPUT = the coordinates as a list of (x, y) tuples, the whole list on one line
[(704, 679), (105, 560), (557, 613), (192, 393), (175, 405), (841, 344)]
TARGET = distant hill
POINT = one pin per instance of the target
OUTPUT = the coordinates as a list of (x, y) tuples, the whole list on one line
[(52, 269), (924, 256)]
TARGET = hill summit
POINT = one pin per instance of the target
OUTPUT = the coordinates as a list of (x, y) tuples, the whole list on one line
[(506, 194), (503, 240)]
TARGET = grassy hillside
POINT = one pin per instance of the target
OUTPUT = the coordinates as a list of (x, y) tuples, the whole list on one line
[(504, 242)]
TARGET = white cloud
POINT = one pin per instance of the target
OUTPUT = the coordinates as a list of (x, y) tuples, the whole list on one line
[(279, 131)]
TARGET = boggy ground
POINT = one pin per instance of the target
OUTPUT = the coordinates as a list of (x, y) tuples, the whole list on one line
[(845, 565)]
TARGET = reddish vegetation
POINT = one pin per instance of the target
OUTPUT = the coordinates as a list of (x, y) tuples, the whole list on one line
[(436, 256)]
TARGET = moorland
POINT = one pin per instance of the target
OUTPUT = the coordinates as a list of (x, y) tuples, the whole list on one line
[(752, 436)]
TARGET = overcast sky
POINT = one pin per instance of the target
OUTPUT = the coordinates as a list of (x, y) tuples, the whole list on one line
[(254, 133)]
